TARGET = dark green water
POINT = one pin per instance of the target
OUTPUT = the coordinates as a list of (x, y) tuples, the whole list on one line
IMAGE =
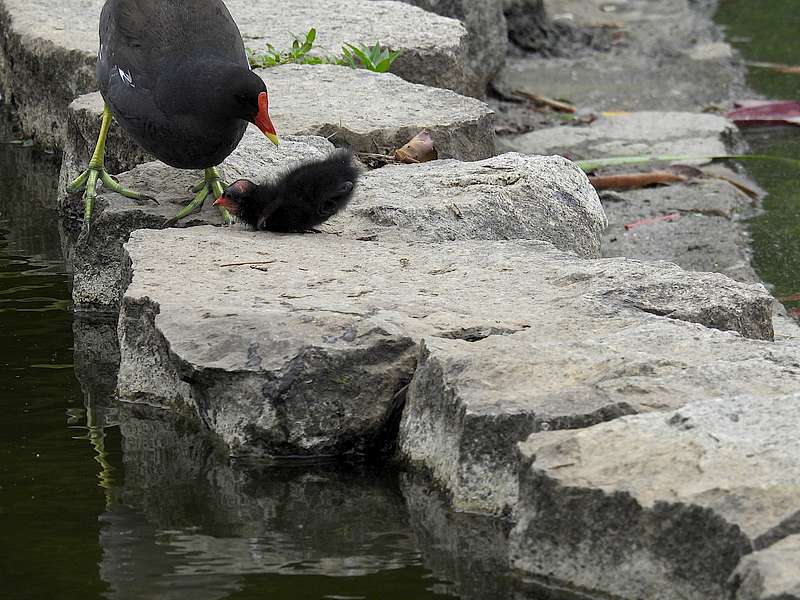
[(767, 31), (98, 502)]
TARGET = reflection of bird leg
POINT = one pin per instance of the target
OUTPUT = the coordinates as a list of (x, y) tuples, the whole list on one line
[(97, 438), (210, 185), (97, 172)]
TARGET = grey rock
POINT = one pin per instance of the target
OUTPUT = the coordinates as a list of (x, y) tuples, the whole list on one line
[(505, 197), (471, 402), (372, 112), (488, 36), (660, 505), (304, 344), (368, 112), (634, 134), (769, 574), (707, 235), (48, 57), (96, 265), (654, 56)]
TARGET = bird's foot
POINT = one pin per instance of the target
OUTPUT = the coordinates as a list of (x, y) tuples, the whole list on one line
[(87, 183), (211, 185)]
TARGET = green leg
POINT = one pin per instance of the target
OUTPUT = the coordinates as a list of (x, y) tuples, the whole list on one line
[(87, 180), (211, 185)]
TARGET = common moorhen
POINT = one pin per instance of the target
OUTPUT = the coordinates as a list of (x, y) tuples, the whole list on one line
[(298, 201), (175, 76)]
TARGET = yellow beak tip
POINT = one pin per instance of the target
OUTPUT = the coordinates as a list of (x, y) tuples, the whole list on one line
[(273, 138)]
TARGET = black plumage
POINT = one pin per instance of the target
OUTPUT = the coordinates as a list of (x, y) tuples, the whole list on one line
[(175, 75), (301, 199)]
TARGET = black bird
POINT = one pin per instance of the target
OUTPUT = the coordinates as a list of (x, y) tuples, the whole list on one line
[(175, 76), (298, 201)]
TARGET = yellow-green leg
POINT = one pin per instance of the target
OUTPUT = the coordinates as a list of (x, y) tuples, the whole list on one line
[(97, 172), (210, 185)]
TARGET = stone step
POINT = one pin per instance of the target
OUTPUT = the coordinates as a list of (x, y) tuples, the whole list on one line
[(665, 506), (486, 24), (505, 197), (50, 48), (570, 371), (642, 133), (304, 344), (368, 112), (631, 55)]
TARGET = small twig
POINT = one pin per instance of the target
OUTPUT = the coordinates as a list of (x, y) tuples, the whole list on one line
[(247, 264), (670, 217), (545, 101)]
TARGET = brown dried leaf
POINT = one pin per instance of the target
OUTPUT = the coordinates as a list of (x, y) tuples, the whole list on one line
[(634, 181), (420, 149)]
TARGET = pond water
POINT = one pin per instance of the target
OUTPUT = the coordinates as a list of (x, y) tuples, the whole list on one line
[(97, 502), (766, 31)]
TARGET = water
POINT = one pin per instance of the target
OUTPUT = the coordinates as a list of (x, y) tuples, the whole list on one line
[(766, 31), (97, 501)]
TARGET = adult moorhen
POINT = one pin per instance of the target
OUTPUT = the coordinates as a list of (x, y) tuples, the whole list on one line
[(298, 201), (175, 76)]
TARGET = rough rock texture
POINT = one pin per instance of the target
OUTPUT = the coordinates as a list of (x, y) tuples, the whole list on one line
[(488, 35), (631, 55), (96, 265), (506, 197), (661, 506), (707, 236), (49, 49), (304, 344), (770, 574), (372, 112), (470, 402), (368, 112), (634, 134)]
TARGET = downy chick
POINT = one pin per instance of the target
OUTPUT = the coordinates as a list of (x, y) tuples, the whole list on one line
[(303, 198)]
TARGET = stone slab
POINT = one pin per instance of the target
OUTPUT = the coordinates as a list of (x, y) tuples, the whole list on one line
[(769, 574), (96, 265), (660, 505), (50, 49), (706, 236), (506, 197), (633, 134), (471, 402), (630, 55), (487, 43), (304, 344)]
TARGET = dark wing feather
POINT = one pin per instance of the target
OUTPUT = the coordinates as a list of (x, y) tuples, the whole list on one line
[(139, 37)]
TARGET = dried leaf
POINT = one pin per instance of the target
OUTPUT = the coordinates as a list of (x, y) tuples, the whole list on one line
[(752, 114), (634, 181), (670, 217), (420, 149)]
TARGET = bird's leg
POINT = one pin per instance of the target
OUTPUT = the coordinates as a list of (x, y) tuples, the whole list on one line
[(97, 172), (212, 185)]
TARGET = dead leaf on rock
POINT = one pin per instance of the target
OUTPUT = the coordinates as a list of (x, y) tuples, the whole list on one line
[(420, 149), (634, 181)]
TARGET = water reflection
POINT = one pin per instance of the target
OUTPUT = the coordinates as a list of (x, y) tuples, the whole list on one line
[(185, 519)]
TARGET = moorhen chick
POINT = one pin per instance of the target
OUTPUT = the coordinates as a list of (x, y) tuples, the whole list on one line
[(298, 201), (175, 76)]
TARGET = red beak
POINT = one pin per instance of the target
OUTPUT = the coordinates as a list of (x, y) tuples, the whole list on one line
[(263, 122), (225, 203)]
